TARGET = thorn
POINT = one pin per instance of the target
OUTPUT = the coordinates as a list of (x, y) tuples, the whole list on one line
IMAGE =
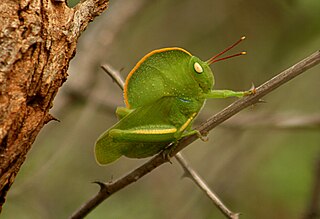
[(50, 117), (121, 69), (253, 88), (235, 215), (55, 119), (101, 184), (184, 175), (204, 137), (261, 101), (167, 157)]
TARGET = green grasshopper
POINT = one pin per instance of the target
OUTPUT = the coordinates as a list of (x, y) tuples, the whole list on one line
[(163, 94)]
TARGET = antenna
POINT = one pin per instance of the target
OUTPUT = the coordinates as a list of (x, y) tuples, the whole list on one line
[(214, 58)]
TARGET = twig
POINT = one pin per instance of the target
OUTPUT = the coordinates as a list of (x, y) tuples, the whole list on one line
[(182, 161), (114, 75), (313, 210), (109, 188), (274, 121), (204, 187)]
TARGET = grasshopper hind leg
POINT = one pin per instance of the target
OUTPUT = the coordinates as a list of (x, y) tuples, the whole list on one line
[(167, 151)]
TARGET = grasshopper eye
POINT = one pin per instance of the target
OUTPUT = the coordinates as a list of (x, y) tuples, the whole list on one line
[(197, 67)]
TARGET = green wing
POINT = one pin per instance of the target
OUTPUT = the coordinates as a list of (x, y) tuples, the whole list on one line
[(144, 131)]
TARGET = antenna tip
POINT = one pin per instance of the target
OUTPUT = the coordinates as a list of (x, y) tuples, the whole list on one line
[(243, 53), (243, 38)]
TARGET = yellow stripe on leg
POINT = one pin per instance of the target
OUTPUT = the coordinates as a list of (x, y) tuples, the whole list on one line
[(154, 131), (185, 125)]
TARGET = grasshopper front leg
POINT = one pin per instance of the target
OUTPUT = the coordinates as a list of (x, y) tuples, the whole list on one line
[(230, 93)]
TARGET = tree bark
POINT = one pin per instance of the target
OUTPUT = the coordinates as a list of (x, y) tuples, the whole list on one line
[(37, 41)]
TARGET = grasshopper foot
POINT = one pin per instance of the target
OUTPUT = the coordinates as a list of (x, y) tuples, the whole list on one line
[(166, 152), (251, 91)]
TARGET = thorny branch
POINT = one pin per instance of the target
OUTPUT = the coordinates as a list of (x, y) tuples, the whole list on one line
[(107, 189), (275, 121), (189, 172)]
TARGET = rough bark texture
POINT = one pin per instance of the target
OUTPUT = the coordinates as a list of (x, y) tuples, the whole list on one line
[(37, 41)]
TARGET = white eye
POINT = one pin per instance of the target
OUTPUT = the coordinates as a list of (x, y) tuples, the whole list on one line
[(197, 67)]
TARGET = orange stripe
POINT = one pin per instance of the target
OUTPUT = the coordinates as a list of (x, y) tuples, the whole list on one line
[(125, 90)]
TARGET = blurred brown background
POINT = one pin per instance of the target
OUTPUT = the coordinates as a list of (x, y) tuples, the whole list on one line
[(261, 163)]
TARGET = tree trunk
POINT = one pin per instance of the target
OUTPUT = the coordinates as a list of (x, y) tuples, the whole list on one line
[(37, 41)]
